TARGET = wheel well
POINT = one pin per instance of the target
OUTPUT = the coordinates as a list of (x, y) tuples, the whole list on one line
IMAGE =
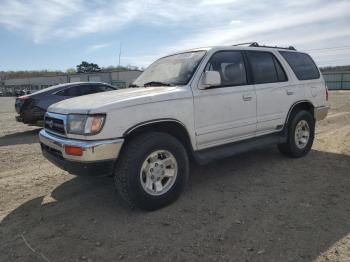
[(174, 128), (304, 105)]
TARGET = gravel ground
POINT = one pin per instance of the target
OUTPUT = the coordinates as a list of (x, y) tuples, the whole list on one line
[(258, 206)]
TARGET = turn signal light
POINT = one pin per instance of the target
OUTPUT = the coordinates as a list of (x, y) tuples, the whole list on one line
[(73, 150)]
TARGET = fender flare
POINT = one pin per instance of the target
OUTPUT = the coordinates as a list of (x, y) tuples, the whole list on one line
[(292, 108), (153, 121)]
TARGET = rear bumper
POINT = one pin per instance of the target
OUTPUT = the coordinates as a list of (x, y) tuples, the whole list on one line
[(321, 112), (31, 116), (98, 156)]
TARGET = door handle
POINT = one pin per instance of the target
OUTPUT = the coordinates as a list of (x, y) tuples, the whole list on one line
[(247, 97), (289, 92)]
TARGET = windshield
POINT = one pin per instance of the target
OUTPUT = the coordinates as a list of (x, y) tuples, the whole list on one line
[(171, 70)]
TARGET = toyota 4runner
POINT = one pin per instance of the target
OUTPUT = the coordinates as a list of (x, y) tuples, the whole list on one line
[(201, 104)]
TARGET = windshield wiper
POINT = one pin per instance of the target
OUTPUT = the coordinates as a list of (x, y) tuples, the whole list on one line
[(133, 85), (156, 83)]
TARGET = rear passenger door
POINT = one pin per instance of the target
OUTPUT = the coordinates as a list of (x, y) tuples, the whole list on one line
[(273, 90), (227, 112)]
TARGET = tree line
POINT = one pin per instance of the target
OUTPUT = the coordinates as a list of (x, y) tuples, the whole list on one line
[(83, 67)]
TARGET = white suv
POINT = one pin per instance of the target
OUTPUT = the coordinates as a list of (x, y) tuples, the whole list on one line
[(200, 104)]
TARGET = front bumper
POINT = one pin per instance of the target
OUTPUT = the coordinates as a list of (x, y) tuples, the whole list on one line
[(98, 155), (321, 112)]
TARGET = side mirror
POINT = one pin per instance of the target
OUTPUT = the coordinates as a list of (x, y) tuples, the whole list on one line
[(210, 78)]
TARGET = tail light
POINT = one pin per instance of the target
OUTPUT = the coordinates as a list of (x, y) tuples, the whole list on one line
[(22, 102), (326, 94), (23, 98)]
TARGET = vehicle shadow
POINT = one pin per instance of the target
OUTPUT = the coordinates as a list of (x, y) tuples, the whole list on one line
[(25, 137), (258, 206)]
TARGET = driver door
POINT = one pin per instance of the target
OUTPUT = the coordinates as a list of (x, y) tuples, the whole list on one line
[(227, 112)]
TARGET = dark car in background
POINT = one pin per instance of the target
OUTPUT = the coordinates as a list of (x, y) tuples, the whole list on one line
[(31, 108)]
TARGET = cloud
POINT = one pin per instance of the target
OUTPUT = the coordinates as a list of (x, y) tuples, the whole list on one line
[(312, 25), (44, 20), (205, 22), (97, 47), (306, 25), (264, 24), (36, 18), (235, 22)]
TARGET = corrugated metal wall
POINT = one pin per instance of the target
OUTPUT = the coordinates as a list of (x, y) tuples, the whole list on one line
[(337, 80)]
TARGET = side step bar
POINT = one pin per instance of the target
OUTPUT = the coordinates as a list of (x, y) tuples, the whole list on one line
[(208, 155)]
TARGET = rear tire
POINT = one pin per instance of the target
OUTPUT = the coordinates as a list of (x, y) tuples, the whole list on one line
[(152, 171), (300, 135)]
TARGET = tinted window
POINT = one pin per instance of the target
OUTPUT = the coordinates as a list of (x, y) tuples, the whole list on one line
[(265, 68), (103, 88), (302, 65), (76, 91), (70, 91), (84, 90), (230, 65)]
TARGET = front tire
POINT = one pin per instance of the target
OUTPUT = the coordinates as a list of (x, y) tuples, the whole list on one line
[(300, 135), (152, 171)]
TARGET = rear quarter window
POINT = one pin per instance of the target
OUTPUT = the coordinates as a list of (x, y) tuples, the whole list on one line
[(302, 65), (265, 67)]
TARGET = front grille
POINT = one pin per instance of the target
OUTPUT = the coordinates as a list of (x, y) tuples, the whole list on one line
[(54, 124)]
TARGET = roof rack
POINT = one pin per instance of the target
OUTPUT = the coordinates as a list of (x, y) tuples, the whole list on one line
[(255, 44), (248, 43)]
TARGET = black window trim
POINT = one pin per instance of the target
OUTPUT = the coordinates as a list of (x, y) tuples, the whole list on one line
[(312, 61), (275, 59), (245, 66)]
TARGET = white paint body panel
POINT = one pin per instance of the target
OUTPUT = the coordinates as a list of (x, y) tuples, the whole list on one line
[(221, 115), (211, 116)]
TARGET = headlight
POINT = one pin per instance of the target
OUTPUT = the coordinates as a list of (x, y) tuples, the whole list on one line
[(85, 124)]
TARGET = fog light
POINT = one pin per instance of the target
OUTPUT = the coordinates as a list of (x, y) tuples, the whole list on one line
[(73, 150)]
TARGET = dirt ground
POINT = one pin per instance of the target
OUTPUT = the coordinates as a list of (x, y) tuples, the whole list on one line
[(259, 206)]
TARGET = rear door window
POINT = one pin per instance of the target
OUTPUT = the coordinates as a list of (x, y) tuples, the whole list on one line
[(302, 65), (265, 68)]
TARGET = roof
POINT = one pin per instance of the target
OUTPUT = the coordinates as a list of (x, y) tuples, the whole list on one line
[(244, 46)]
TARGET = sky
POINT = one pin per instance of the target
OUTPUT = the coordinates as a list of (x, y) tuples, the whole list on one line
[(59, 34)]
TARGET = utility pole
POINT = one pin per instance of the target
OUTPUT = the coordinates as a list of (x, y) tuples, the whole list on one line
[(120, 53)]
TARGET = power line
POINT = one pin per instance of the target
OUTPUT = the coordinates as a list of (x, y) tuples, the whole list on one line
[(329, 48)]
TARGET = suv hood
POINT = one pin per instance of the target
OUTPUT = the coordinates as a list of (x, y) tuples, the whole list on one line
[(105, 101)]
